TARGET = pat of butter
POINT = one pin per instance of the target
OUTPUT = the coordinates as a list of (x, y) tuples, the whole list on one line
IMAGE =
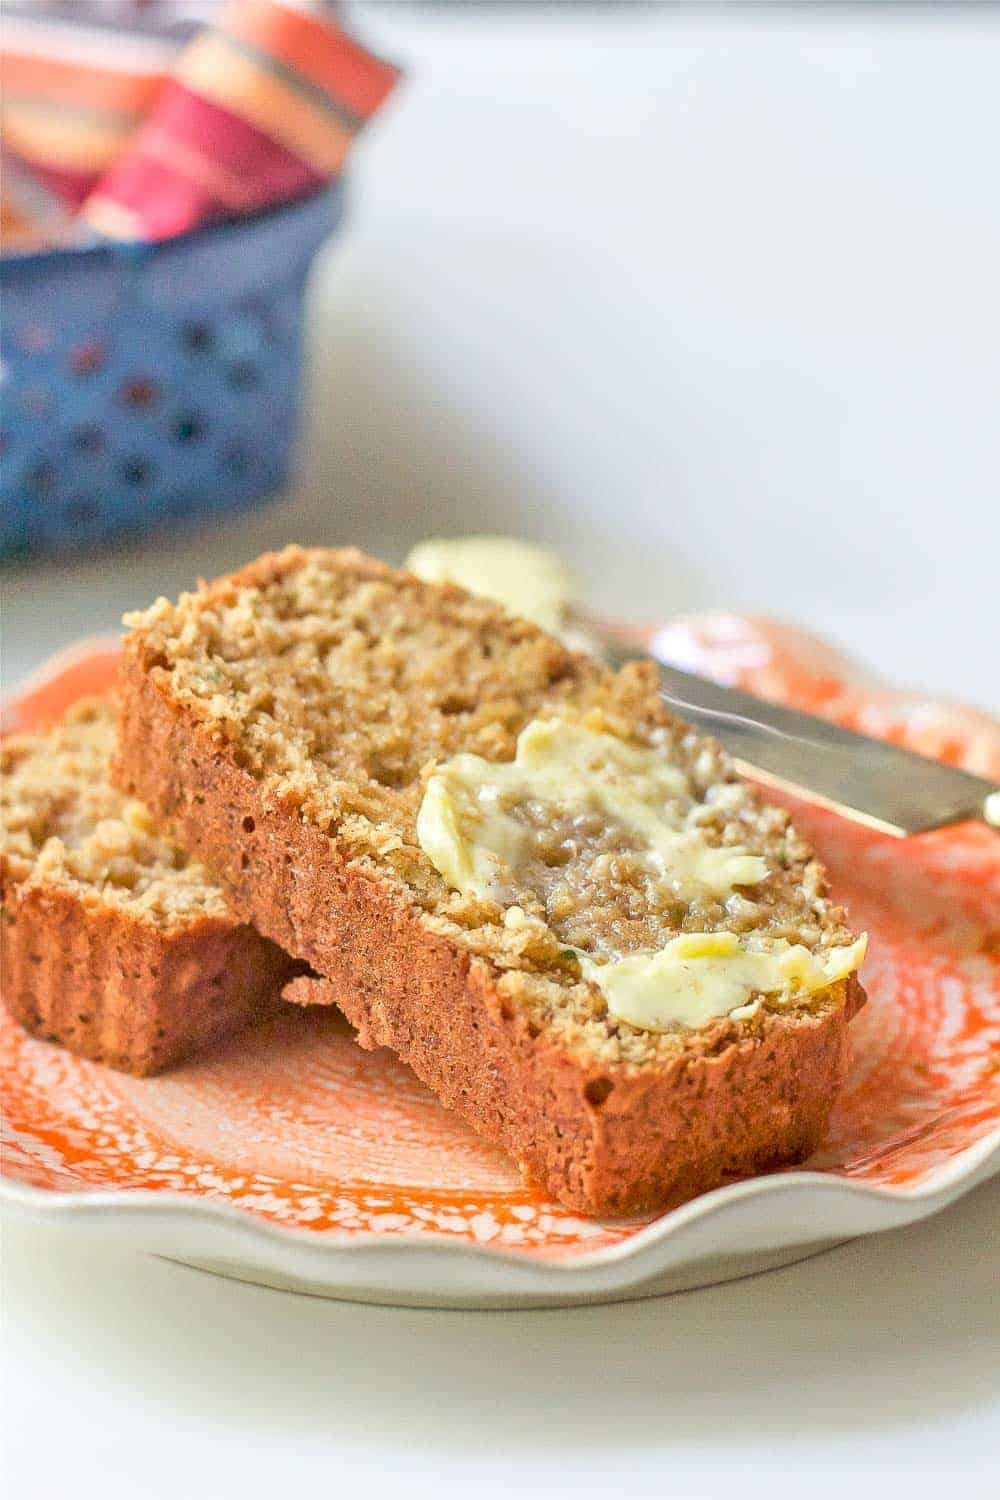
[(528, 581), (700, 976), (466, 827)]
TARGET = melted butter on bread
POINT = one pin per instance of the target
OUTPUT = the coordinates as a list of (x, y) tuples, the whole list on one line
[(474, 826)]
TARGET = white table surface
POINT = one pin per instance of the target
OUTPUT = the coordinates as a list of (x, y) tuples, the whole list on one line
[(709, 299)]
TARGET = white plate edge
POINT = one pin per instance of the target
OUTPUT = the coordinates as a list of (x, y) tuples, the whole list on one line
[(649, 1252)]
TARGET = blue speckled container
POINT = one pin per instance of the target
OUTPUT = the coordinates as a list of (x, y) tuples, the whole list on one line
[(145, 385)]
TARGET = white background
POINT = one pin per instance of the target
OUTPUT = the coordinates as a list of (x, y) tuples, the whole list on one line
[(709, 298)]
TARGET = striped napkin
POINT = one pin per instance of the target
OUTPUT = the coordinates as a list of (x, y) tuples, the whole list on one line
[(142, 119)]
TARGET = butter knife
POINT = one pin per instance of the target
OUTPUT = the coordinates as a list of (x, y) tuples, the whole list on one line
[(870, 781)]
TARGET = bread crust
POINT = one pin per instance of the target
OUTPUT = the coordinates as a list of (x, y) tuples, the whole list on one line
[(123, 992), (604, 1140)]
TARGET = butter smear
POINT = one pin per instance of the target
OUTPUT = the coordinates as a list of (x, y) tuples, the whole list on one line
[(472, 827)]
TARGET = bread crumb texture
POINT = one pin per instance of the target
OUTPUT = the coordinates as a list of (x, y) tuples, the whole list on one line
[(65, 827), (339, 685)]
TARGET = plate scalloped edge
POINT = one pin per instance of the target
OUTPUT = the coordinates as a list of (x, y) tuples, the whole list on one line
[(725, 1233)]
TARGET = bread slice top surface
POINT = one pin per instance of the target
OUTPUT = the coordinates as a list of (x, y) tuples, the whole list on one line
[(65, 827), (339, 684)]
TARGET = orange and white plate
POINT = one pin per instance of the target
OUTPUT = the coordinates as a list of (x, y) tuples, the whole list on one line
[(291, 1157)]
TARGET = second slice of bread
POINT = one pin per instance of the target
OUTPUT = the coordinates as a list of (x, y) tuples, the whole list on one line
[(284, 721), (114, 944)]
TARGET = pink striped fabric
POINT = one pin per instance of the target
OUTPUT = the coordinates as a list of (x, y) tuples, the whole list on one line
[(146, 120)]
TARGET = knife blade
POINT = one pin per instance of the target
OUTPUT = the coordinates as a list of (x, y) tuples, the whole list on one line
[(870, 781)]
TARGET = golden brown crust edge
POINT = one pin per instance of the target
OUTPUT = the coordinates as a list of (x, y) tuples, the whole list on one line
[(603, 1141), (125, 993)]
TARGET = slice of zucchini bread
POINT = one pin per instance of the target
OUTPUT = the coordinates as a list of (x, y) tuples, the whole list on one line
[(514, 867), (114, 943)]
